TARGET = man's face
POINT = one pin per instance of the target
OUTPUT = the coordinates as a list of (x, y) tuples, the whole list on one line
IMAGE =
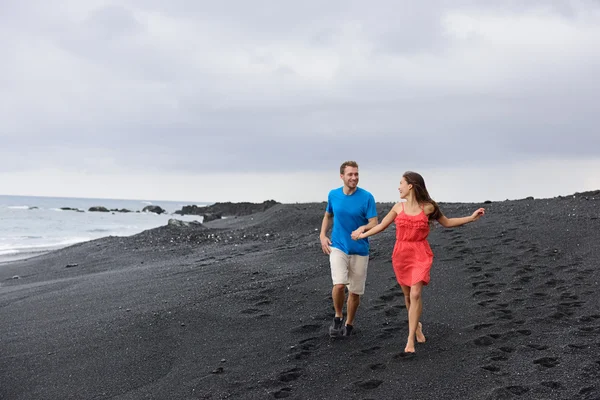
[(350, 177)]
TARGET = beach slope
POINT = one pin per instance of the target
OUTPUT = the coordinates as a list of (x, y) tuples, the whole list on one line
[(239, 308)]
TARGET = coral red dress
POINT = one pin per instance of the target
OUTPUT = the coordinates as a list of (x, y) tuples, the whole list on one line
[(412, 256)]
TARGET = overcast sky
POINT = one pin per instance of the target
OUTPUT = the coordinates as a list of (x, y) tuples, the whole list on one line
[(256, 100)]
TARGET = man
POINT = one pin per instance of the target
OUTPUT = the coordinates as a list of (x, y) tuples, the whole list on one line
[(352, 211)]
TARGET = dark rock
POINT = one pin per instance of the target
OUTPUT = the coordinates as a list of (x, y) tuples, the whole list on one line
[(71, 209), (181, 224), (210, 217), (153, 209), (529, 198), (487, 202), (228, 208), (122, 210), (33, 208), (71, 265), (98, 209)]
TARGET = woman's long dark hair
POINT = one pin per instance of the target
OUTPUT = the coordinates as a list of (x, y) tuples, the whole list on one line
[(421, 194)]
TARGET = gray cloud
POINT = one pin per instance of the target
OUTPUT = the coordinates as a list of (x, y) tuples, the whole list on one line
[(274, 86)]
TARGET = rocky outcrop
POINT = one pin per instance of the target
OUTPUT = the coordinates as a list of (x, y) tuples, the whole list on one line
[(210, 217), (227, 209), (154, 209), (181, 224), (98, 209)]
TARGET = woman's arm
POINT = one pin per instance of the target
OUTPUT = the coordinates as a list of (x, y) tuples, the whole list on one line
[(389, 218), (453, 222)]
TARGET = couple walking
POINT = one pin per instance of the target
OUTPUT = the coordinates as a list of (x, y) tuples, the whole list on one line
[(354, 216)]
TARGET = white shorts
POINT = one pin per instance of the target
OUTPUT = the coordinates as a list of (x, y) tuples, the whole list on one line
[(350, 270)]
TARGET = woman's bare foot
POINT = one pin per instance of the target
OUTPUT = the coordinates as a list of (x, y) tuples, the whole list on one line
[(419, 334), (410, 346)]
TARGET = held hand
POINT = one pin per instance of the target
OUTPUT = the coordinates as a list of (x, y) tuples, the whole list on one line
[(356, 234), (325, 244), (360, 236), (477, 214)]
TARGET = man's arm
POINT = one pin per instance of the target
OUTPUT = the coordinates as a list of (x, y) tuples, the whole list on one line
[(325, 225)]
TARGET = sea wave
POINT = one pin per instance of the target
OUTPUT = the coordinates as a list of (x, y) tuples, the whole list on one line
[(18, 207), (21, 251), (41, 247)]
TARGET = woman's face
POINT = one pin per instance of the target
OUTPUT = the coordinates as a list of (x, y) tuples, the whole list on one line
[(404, 188)]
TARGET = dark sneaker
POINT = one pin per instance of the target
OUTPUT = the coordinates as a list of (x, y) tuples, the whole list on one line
[(336, 328), (347, 331)]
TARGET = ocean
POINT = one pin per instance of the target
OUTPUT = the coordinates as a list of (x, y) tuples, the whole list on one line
[(31, 226)]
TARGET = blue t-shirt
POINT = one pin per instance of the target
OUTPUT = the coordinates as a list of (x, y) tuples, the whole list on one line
[(350, 212)]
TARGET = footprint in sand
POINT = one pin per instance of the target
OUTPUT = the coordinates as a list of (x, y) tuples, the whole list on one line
[(370, 350), (486, 293), (482, 326), (391, 312), (250, 311), (483, 341), (538, 347), (491, 368), (404, 356), (551, 384), (587, 330), (548, 362), (508, 392), (282, 393), (507, 349), (578, 346), (588, 318), (474, 269), (368, 384), (306, 328), (304, 348), (290, 375)]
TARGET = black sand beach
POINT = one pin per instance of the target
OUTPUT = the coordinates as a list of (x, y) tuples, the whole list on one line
[(239, 308)]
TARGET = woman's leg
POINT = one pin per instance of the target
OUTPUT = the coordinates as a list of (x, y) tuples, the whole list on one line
[(406, 291), (414, 314)]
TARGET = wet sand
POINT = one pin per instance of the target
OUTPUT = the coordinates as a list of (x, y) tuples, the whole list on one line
[(240, 307)]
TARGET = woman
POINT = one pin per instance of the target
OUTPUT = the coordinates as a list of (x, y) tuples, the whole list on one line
[(412, 257)]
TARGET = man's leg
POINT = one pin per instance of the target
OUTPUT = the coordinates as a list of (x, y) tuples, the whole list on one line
[(338, 294), (357, 276), (339, 275), (353, 302)]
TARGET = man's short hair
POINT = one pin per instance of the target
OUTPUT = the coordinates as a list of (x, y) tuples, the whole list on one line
[(347, 164)]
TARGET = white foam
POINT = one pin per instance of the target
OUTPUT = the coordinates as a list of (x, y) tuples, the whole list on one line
[(6, 249), (18, 207)]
